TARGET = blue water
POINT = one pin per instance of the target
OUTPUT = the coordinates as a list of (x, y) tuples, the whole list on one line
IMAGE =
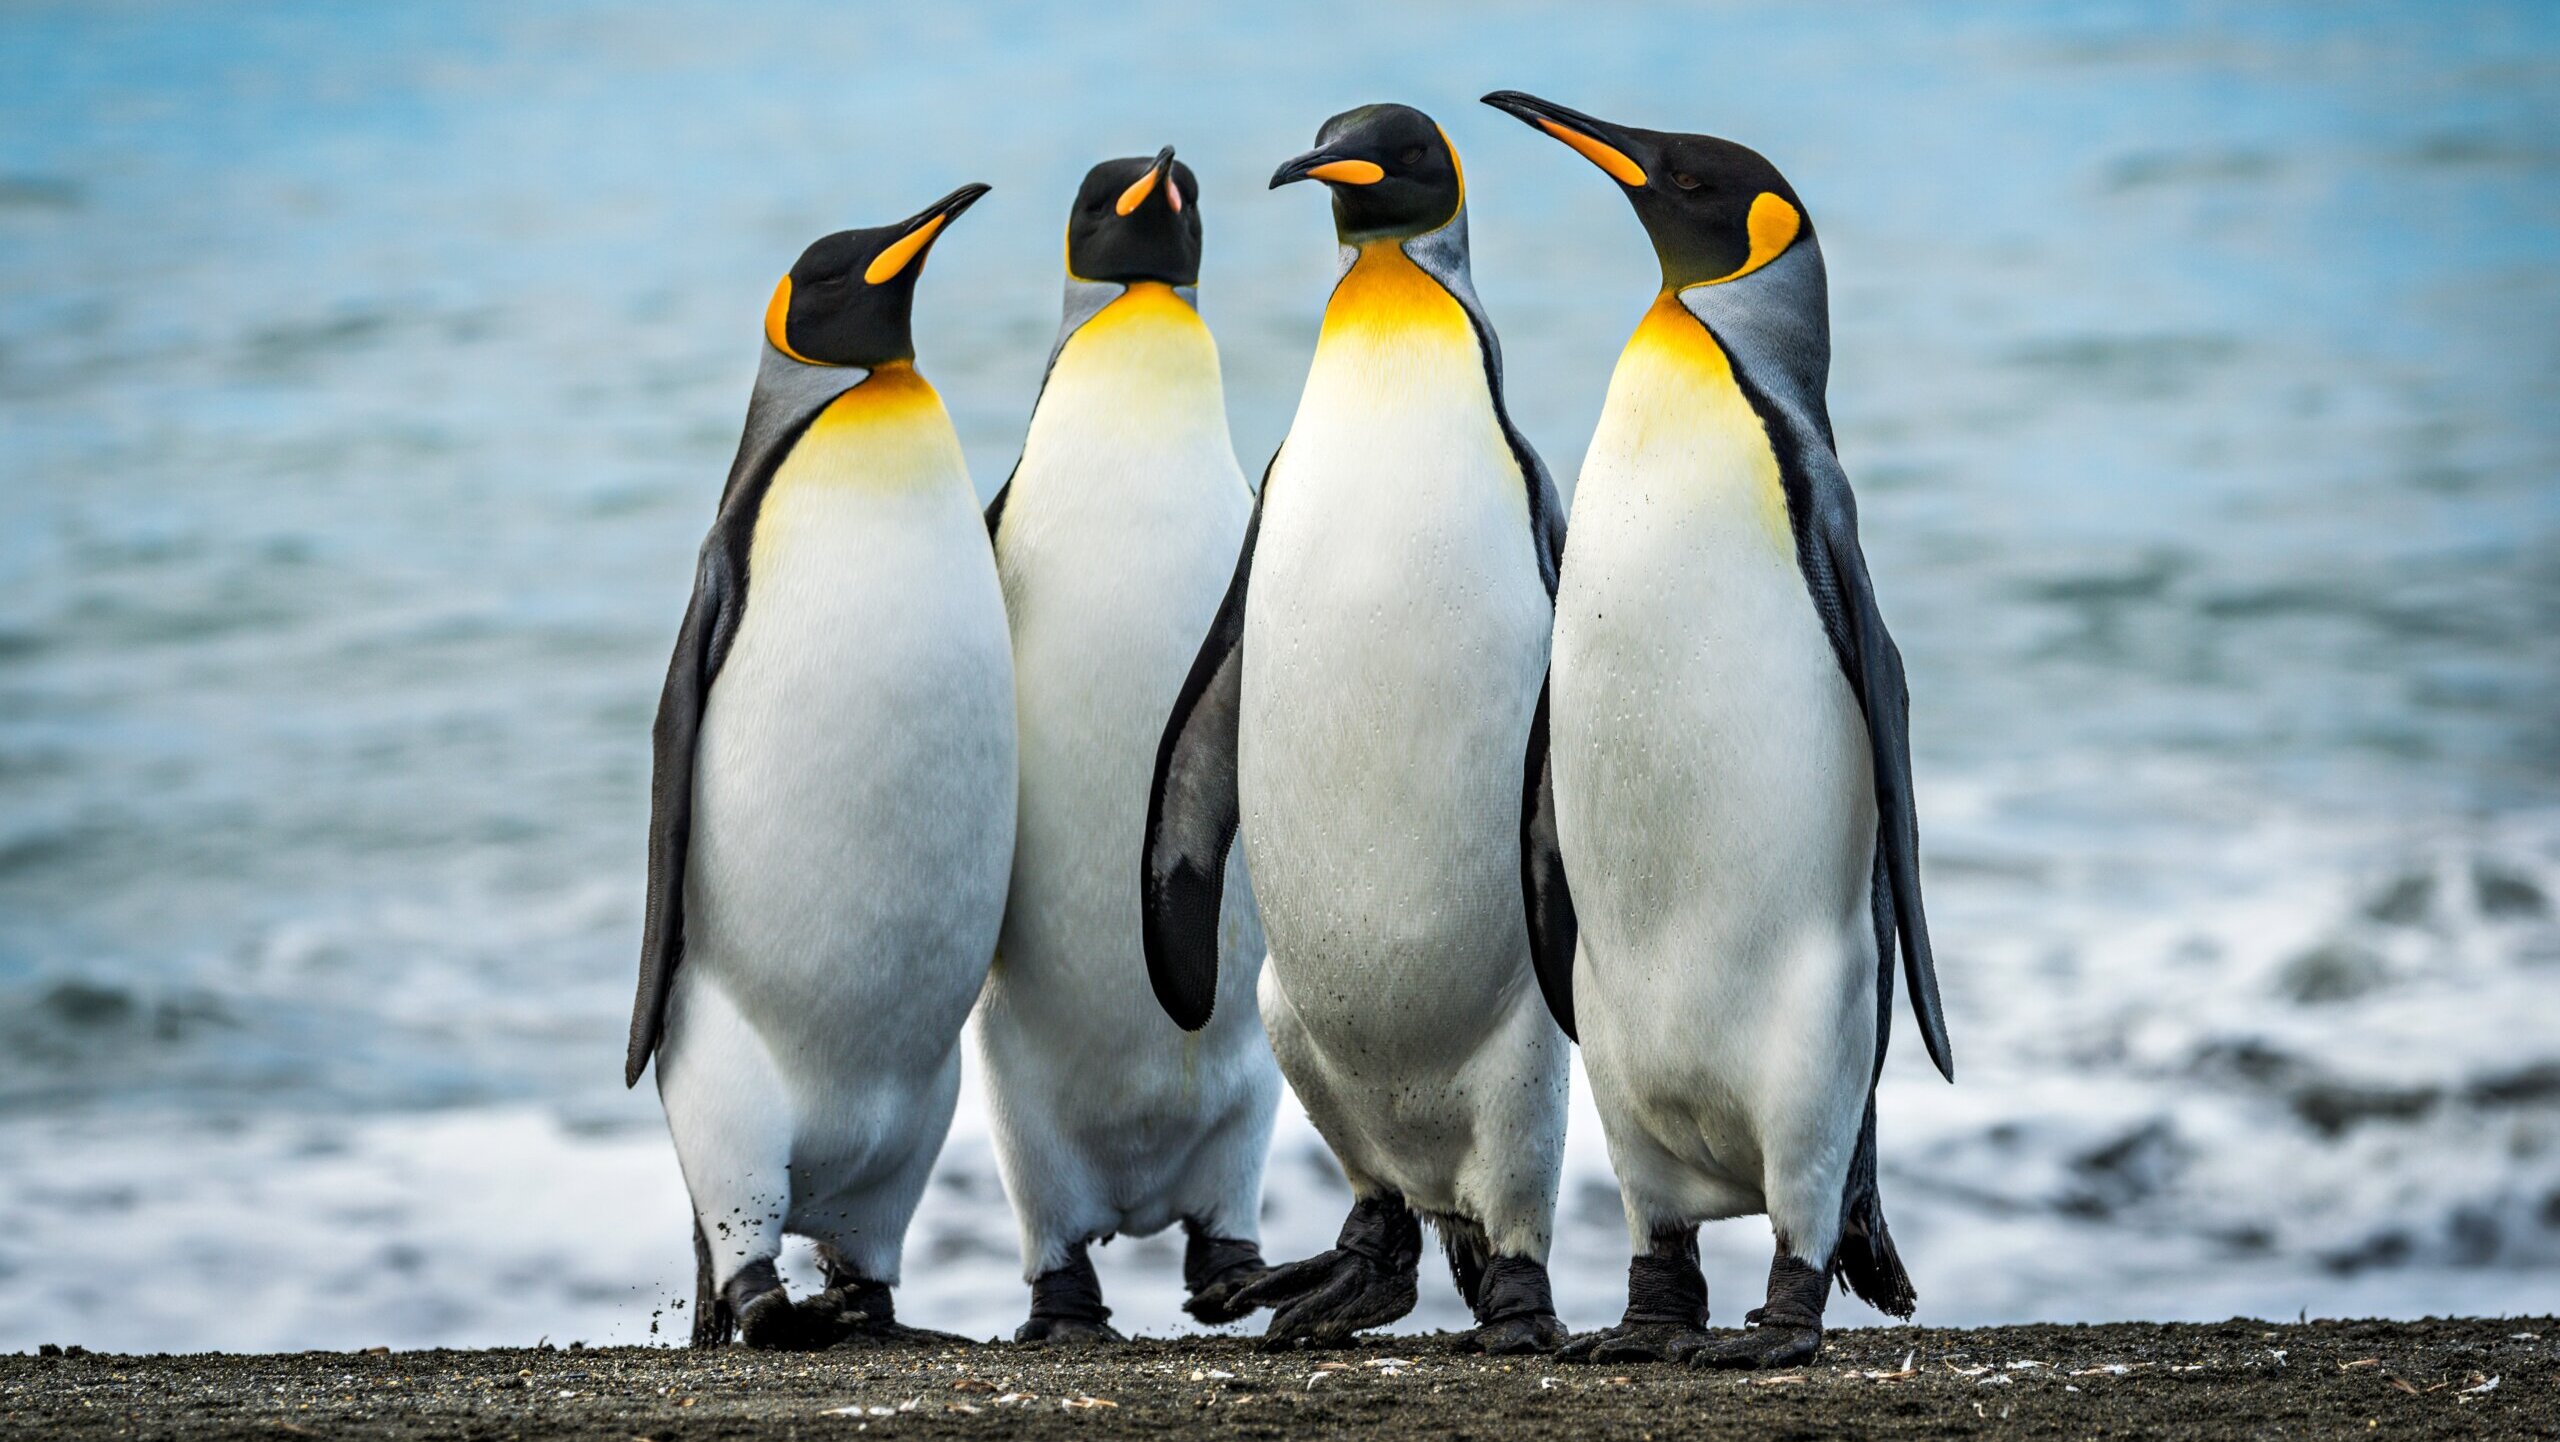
[(367, 375)]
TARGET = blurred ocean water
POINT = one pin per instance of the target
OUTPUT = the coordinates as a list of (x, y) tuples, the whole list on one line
[(367, 375)]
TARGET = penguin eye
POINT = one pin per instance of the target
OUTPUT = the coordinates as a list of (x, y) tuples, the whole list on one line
[(1684, 180), (1412, 156)]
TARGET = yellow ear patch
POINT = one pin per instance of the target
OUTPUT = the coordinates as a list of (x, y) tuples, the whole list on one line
[(1773, 226), (1137, 193), (777, 323), (886, 265), (1350, 172), (1455, 168), (1600, 153)]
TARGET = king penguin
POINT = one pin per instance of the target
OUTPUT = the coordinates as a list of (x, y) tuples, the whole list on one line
[(1721, 804), (1114, 538), (832, 814), (1359, 710)]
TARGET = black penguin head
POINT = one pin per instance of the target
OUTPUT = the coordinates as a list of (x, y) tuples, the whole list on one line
[(846, 303), (1717, 211), (1392, 172), (1136, 219)]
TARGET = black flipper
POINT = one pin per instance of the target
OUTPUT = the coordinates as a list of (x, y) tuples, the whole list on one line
[(1542, 879), (1824, 515), (1193, 810), (1876, 672), (788, 397), (995, 508)]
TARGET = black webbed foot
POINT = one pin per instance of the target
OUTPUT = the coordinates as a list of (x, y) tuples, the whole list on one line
[(1367, 1280), (768, 1319), (1515, 1336), (1666, 1318), (855, 1311), (1066, 1332), (1638, 1342), (1214, 1271), (1762, 1346), (1066, 1306), (1515, 1310), (1784, 1331)]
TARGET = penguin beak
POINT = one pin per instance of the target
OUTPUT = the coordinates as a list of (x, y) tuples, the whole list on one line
[(1331, 167), (1158, 174), (1604, 145), (919, 232)]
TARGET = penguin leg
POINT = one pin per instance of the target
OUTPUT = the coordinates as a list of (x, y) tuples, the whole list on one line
[(857, 1308), (1517, 1085), (1215, 1269), (1066, 1305), (1666, 1317), (1367, 1280), (867, 1188), (1221, 1198), (1805, 1188), (1785, 1330), (729, 1115), (1061, 1206), (1515, 1308)]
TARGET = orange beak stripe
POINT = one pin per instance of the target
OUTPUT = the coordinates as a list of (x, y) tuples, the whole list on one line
[(887, 264), (1600, 153), (1349, 172), (1137, 193)]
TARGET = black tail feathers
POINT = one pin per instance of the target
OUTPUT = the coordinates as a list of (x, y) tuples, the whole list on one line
[(1468, 1249), (712, 1324), (1868, 1265), (1865, 1261)]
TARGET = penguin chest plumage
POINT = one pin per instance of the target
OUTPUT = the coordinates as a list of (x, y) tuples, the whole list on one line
[(1395, 636), (854, 799), (1715, 802), (1118, 537)]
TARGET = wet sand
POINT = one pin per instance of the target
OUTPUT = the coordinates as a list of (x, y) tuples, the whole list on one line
[(2230, 1379)]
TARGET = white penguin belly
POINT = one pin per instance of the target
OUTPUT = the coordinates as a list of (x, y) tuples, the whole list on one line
[(1120, 533), (855, 789), (1395, 638), (1715, 803)]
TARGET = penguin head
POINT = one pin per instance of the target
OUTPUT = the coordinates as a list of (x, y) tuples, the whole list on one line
[(1717, 211), (846, 302), (1136, 219), (1392, 172)]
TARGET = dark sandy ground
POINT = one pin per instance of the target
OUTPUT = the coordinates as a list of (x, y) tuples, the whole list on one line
[(2229, 1379)]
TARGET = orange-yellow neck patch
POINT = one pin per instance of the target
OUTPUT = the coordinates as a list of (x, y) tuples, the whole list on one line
[(1675, 401), (1145, 302), (1671, 338), (894, 394), (1384, 291)]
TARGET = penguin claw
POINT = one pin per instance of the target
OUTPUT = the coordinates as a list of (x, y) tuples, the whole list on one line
[(1760, 1347), (1067, 1332), (1222, 1301), (1638, 1342), (1323, 1300), (1515, 1336)]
